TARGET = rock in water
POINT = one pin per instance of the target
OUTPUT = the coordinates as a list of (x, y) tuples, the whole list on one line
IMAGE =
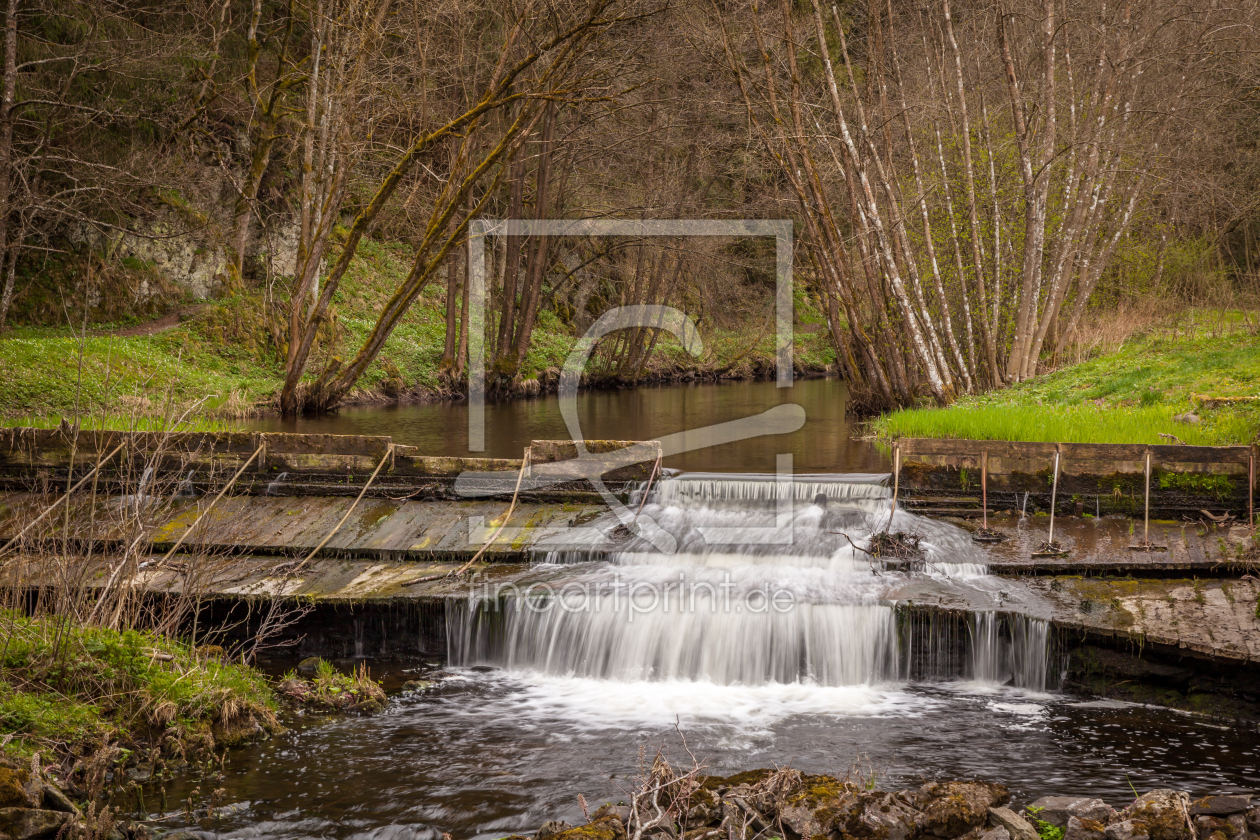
[(1212, 828), (1057, 810), (885, 816), (621, 812), (605, 828), (951, 809), (1126, 830), (1220, 806), (309, 666), (1083, 828), (1162, 814), (1018, 827), (1253, 820), (551, 827), (31, 823)]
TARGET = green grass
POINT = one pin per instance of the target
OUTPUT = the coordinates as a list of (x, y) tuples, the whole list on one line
[(330, 690), (120, 376), (231, 354), (1129, 396), (65, 687)]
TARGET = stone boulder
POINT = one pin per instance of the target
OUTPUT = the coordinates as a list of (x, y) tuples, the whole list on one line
[(819, 807), (604, 828), (1253, 820), (621, 812), (1016, 826), (1213, 828), (308, 667), (31, 823), (1220, 806), (881, 816), (1057, 810), (1162, 814), (13, 784), (951, 809), (550, 828), (1083, 828), (1127, 830)]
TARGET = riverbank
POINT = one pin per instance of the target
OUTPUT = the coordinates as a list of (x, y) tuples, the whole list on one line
[(88, 715), (1194, 379), (670, 802), (225, 361), (72, 692)]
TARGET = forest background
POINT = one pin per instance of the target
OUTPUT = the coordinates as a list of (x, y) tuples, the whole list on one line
[(245, 204)]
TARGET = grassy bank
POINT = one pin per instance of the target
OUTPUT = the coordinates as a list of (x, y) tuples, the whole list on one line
[(1202, 365), (69, 690), (227, 358)]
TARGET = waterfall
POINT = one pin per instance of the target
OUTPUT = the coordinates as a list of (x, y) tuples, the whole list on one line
[(693, 488), (600, 638), (185, 489), (771, 583), (274, 486), (1010, 649)]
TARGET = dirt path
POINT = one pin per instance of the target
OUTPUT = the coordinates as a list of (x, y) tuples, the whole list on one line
[(166, 322)]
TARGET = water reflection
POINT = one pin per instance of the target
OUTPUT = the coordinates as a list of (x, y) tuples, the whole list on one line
[(822, 445)]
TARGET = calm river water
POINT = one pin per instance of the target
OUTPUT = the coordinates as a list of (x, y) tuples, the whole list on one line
[(824, 443)]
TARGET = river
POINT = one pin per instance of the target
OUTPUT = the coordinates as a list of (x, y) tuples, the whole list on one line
[(823, 444), (808, 663)]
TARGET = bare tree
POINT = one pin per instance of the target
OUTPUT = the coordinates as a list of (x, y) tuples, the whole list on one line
[(882, 223)]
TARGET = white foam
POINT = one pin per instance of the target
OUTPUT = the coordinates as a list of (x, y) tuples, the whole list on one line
[(594, 704)]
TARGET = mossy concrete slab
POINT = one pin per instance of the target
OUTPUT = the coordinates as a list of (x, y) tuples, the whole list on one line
[(375, 528)]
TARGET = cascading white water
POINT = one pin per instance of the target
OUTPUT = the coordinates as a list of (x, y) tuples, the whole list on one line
[(700, 488), (825, 644), (1010, 649), (274, 486), (769, 584)]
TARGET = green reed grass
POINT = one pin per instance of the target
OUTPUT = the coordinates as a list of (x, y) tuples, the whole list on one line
[(1067, 424), (1129, 396)]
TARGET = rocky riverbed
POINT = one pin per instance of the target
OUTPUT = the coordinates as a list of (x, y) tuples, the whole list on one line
[(783, 803)]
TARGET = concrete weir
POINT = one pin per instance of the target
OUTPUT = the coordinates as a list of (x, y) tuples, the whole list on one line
[(365, 532)]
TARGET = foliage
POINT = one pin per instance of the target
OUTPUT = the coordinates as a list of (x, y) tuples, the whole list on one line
[(332, 691), (66, 686), (41, 371), (1130, 396), (1198, 484), (1045, 830), (229, 352)]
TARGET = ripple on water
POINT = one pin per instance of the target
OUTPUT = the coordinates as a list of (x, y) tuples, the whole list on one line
[(489, 754)]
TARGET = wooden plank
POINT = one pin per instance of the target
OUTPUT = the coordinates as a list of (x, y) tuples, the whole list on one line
[(1077, 451), (1200, 454), (995, 448), (311, 444)]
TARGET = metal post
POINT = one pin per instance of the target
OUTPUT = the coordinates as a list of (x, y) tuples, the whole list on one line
[(1146, 523), (1054, 494), (984, 487), (896, 482)]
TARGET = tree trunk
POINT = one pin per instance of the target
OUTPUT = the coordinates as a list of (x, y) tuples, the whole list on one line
[(7, 248), (452, 314)]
